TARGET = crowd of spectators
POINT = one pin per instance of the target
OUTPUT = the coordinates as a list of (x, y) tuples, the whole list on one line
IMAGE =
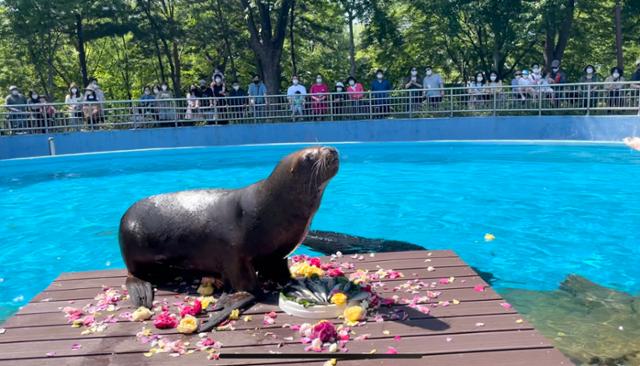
[(221, 101)]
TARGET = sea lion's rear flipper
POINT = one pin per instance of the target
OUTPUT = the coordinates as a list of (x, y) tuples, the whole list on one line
[(226, 304), (140, 292)]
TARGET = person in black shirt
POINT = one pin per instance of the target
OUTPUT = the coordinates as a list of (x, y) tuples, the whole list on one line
[(636, 75), (237, 100)]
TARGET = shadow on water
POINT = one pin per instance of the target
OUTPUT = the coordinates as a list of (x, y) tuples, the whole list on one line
[(592, 324)]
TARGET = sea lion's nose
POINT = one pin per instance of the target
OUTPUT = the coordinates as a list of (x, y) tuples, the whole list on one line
[(329, 150)]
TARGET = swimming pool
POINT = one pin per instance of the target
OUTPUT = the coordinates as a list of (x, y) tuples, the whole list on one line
[(555, 209)]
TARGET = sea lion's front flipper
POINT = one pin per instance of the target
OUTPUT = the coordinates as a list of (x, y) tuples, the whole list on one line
[(226, 304), (140, 292)]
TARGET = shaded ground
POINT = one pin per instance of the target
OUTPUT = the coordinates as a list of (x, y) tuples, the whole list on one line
[(592, 324)]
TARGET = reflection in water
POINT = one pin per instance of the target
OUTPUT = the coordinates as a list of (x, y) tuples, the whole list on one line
[(592, 324)]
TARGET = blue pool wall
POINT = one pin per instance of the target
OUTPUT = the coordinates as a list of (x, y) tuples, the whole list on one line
[(576, 128)]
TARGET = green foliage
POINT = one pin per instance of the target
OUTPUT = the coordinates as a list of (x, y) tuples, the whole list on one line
[(132, 43)]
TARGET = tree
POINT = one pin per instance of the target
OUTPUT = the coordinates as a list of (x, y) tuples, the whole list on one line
[(267, 39), (558, 21)]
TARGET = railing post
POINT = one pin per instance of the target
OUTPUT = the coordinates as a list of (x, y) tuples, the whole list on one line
[(494, 97), (46, 120), (370, 105), (588, 99), (331, 109), (451, 102), (539, 100)]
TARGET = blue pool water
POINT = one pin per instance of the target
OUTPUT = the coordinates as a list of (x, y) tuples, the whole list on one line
[(554, 209)]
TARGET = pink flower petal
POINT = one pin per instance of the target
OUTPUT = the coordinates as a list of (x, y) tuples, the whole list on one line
[(76, 346), (479, 288), (50, 354), (506, 305), (391, 351), (397, 338)]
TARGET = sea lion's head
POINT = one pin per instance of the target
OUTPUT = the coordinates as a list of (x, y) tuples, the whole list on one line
[(314, 165), (308, 169)]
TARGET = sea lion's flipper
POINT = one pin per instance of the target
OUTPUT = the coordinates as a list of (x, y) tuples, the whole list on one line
[(227, 304), (140, 292)]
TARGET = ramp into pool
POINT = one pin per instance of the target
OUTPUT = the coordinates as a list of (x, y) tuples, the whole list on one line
[(466, 323)]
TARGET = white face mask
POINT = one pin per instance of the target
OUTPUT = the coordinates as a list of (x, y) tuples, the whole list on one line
[(295, 81), (74, 90), (34, 96), (236, 87), (147, 92), (339, 89), (536, 70), (15, 92), (616, 75), (164, 87), (479, 78), (589, 71), (352, 83), (318, 80), (493, 77), (218, 80), (414, 73), (379, 76), (429, 72)]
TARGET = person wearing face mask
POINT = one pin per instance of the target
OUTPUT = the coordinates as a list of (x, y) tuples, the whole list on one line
[(355, 94), (296, 94), (37, 110), (166, 108), (434, 87), (613, 84), (257, 96), (219, 88), (380, 88), (338, 99), (478, 91), (318, 92), (494, 85), (73, 102), (237, 100), (414, 84), (558, 76), (91, 109), (588, 93), (15, 103), (193, 103), (147, 108)]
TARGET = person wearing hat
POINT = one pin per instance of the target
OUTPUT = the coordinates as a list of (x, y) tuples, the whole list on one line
[(15, 102), (434, 87), (338, 99), (237, 101), (257, 91), (557, 75)]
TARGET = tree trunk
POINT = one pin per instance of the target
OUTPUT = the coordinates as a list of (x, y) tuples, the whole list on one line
[(352, 45), (177, 84), (159, 56), (294, 66), (82, 55), (227, 42), (555, 50), (618, 26), (267, 42)]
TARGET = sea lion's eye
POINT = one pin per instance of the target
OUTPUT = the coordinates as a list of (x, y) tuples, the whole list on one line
[(307, 157)]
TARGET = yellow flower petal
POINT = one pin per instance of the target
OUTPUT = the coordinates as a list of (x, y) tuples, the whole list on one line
[(455, 301), (353, 314), (519, 321), (188, 324), (141, 314), (247, 318), (339, 298), (206, 301), (386, 332), (489, 237), (235, 314)]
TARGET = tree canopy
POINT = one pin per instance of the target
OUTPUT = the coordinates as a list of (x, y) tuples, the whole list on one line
[(127, 44)]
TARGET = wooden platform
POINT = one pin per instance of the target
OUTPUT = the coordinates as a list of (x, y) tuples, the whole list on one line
[(475, 329)]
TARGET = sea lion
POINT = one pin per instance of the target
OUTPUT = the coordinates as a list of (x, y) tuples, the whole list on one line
[(240, 236)]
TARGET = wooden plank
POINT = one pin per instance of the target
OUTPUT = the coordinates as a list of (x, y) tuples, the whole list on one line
[(528, 357), (461, 294), (412, 256), (427, 345), (468, 308), (424, 326), (97, 283), (64, 294)]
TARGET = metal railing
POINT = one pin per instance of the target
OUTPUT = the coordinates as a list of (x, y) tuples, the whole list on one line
[(583, 99)]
